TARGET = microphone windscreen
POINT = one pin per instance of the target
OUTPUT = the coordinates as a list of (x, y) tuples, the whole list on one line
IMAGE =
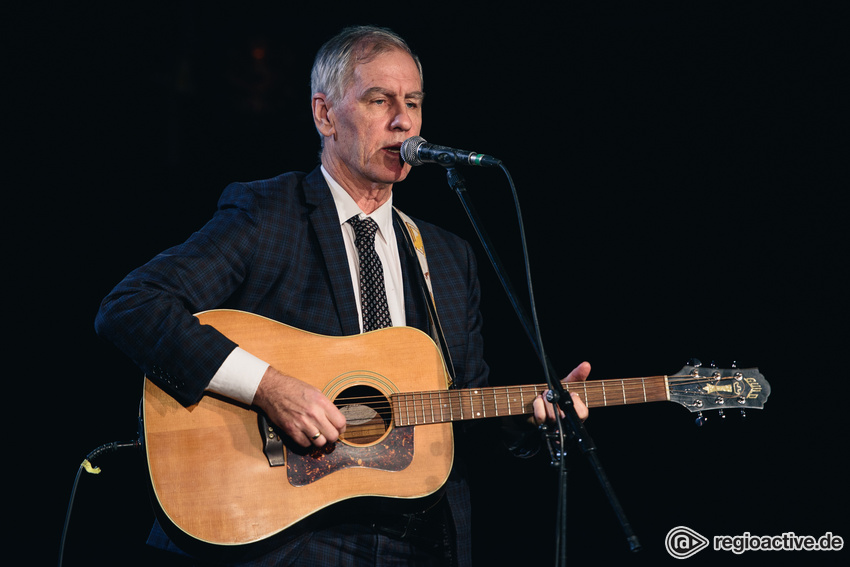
[(410, 150)]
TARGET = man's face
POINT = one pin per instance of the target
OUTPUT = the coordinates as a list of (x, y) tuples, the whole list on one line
[(380, 109)]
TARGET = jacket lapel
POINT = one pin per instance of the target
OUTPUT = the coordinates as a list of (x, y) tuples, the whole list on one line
[(415, 310), (325, 223)]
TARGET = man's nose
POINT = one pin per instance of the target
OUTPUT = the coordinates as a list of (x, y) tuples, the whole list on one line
[(402, 119)]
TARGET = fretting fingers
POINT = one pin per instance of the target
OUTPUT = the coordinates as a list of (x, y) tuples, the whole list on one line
[(544, 410)]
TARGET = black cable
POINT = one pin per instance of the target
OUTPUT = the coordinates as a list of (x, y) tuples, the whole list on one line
[(87, 466), (557, 395)]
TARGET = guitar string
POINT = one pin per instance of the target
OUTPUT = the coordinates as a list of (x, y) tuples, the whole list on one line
[(458, 404), (428, 396), (595, 386)]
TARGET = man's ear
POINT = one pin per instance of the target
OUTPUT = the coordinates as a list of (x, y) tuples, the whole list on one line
[(323, 115)]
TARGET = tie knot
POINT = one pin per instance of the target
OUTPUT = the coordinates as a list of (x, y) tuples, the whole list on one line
[(364, 229)]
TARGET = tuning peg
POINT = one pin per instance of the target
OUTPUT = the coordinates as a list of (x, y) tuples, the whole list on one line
[(743, 412), (694, 362), (734, 364), (700, 420), (721, 414)]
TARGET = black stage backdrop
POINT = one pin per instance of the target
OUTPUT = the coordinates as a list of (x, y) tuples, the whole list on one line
[(678, 166)]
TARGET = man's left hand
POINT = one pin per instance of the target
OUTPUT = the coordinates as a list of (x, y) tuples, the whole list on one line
[(544, 411)]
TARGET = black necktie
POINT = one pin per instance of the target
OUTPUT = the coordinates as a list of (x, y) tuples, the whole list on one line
[(373, 294)]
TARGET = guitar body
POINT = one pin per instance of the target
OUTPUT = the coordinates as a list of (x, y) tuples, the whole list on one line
[(208, 470)]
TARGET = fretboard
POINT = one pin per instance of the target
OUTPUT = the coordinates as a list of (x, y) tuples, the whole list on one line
[(419, 408)]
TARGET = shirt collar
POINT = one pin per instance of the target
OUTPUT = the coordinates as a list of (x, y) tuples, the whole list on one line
[(347, 208)]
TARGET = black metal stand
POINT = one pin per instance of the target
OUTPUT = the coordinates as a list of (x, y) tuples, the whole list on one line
[(570, 428)]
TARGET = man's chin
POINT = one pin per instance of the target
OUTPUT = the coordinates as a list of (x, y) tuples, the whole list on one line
[(397, 171)]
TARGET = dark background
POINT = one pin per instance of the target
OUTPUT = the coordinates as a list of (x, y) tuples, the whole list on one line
[(678, 166)]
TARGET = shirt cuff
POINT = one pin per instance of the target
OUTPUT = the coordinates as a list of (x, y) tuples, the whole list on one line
[(239, 376)]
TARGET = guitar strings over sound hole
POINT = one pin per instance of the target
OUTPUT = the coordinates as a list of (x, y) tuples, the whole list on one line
[(367, 414)]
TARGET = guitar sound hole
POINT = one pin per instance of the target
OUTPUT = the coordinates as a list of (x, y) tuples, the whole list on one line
[(367, 414)]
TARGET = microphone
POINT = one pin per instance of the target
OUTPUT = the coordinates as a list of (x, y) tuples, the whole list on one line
[(416, 151)]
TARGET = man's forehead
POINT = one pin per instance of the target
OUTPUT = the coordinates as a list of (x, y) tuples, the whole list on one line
[(392, 64)]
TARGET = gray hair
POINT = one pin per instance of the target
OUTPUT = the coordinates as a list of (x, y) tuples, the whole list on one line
[(334, 65)]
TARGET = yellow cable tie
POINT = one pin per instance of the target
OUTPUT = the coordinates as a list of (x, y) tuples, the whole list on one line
[(89, 468)]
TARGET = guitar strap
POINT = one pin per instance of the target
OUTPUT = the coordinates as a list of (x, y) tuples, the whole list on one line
[(416, 250)]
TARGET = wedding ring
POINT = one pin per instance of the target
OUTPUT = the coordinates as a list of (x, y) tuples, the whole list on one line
[(316, 436)]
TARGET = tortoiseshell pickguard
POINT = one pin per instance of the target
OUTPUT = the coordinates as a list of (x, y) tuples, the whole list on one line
[(393, 453)]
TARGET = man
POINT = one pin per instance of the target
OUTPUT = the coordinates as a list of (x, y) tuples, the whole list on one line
[(286, 248)]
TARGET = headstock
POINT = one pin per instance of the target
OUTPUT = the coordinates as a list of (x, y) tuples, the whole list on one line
[(701, 389)]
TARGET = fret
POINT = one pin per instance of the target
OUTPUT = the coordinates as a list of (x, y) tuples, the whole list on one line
[(406, 412), (453, 406), (411, 408), (402, 407), (460, 403), (573, 388), (424, 407), (407, 409), (442, 407), (529, 407)]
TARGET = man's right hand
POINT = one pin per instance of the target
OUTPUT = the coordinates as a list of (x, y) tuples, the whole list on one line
[(299, 409)]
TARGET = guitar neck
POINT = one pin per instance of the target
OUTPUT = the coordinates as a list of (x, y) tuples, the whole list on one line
[(419, 408)]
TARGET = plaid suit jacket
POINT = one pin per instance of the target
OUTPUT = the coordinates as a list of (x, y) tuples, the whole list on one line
[(274, 248)]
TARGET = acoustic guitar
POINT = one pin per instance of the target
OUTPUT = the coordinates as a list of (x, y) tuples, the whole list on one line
[(222, 474)]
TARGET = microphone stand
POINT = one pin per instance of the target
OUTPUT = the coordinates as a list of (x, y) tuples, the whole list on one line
[(571, 426)]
